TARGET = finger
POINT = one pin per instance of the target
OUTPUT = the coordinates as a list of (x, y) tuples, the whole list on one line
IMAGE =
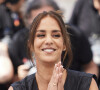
[(23, 67), (61, 69), (54, 79), (60, 77), (52, 87), (59, 63), (60, 82)]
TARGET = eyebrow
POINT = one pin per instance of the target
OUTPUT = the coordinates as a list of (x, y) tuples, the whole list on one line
[(56, 31), (52, 31), (40, 30)]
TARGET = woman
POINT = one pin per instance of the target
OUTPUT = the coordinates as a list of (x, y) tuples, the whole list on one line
[(48, 39)]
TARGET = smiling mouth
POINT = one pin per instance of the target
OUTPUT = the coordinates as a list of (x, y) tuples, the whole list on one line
[(48, 50)]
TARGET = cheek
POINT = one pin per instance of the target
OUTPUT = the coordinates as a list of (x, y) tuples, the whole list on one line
[(37, 44), (60, 44)]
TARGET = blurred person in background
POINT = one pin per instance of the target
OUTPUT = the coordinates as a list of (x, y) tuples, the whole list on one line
[(86, 16), (82, 53), (6, 68), (10, 22), (10, 18), (2, 1)]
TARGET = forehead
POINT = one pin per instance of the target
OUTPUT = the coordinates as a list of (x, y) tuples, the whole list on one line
[(48, 23)]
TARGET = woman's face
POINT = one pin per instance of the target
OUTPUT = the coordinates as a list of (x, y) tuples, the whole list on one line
[(48, 42)]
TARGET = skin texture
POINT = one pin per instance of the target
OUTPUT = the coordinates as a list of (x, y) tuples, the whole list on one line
[(48, 36), (23, 71), (93, 85)]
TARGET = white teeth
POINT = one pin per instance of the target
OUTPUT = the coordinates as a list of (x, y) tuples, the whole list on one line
[(48, 50)]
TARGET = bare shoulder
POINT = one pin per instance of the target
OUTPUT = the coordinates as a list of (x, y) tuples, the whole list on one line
[(10, 88), (93, 85)]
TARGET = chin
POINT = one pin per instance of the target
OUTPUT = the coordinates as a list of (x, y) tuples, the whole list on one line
[(50, 59)]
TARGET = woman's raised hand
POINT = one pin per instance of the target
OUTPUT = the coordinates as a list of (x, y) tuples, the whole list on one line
[(60, 80), (56, 82)]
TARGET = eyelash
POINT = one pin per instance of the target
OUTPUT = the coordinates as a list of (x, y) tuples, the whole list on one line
[(43, 35), (56, 35), (40, 35)]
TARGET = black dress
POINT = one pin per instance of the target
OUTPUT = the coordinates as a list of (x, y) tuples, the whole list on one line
[(74, 81)]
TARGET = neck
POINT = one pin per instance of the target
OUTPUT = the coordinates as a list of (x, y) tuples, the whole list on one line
[(44, 73)]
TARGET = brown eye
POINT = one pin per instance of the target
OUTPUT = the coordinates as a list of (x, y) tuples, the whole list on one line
[(56, 35), (40, 35)]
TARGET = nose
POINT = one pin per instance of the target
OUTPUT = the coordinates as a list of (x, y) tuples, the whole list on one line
[(49, 40)]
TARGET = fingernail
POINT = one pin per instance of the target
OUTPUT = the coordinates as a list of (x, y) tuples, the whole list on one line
[(60, 62), (55, 65), (61, 66), (57, 69)]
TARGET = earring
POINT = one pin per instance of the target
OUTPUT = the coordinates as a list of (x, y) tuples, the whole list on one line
[(64, 49)]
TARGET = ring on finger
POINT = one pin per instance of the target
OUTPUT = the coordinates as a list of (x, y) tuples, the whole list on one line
[(54, 84)]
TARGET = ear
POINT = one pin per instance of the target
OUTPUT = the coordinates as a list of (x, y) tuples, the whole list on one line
[(64, 48)]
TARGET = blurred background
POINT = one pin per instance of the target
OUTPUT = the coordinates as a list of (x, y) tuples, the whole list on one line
[(16, 16)]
